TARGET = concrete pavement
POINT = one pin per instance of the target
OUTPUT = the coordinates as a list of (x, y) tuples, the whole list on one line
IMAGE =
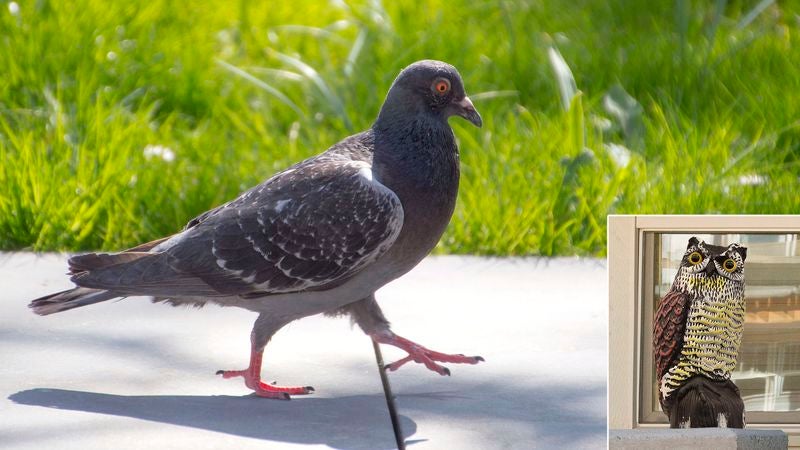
[(130, 374)]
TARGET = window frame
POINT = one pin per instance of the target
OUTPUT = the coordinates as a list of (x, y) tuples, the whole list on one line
[(631, 239)]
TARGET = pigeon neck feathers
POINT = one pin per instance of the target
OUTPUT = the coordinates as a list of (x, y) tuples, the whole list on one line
[(418, 161), (416, 155)]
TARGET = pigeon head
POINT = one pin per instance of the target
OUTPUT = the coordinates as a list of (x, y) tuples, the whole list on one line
[(429, 88)]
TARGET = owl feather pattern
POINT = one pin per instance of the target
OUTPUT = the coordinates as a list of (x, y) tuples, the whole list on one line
[(697, 333)]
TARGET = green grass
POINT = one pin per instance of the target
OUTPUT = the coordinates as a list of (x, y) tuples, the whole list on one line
[(707, 97)]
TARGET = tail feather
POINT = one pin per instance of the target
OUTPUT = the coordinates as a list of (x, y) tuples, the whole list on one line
[(96, 261), (90, 261), (702, 402), (80, 267), (69, 299)]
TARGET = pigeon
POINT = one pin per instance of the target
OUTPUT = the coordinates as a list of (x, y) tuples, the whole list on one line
[(319, 237)]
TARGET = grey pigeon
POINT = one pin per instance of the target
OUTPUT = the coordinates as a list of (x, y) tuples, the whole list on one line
[(319, 237)]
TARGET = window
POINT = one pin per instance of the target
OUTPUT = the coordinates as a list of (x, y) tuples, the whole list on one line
[(768, 373), (644, 253)]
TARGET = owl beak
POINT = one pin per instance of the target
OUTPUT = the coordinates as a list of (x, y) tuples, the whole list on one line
[(467, 110), (711, 268)]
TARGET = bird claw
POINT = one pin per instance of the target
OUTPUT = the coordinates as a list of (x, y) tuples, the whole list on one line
[(234, 373), (422, 355), (265, 390), (272, 395)]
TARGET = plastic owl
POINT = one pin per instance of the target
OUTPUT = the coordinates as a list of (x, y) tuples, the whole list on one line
[(696, 337)]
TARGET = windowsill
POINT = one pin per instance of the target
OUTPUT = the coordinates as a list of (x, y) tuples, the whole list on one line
[(792, 431)]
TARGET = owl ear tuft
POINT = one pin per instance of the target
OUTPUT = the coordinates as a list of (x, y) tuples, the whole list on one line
[(693, 241), (742, 252)]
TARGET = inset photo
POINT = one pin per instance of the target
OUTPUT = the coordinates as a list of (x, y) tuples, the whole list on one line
[(704, 331)]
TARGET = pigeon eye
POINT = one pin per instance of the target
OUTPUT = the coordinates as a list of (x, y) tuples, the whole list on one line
[(441, 86), (695, 258), (729, 265)]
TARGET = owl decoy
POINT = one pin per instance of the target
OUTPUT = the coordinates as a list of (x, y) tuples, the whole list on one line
[(697, 333)]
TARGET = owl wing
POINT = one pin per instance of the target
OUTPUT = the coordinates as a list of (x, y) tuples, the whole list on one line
[(668, 330)]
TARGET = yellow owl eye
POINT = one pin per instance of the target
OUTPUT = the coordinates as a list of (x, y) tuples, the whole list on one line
[(729, 265), (695, 258)]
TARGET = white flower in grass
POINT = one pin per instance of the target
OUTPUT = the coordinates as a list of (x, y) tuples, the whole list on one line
[(159, 151), (752, 180), (13, 8), (619, 153), (294, 131)]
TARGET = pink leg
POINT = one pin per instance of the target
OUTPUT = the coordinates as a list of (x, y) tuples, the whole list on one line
[(420, 354), (252, 379)]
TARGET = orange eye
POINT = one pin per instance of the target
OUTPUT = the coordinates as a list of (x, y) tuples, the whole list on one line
[(441, 85)]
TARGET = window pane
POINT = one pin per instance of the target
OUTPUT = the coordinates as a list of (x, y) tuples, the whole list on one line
[(768, 373)]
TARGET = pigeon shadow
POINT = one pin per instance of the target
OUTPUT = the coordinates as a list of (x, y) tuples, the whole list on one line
[(352, 422)]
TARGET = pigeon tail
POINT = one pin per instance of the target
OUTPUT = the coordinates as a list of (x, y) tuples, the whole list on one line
[(69, 299), (95, 261)]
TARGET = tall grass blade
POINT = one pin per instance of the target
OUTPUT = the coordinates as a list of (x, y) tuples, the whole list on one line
[(566, 82), (754, 13), (488, 95), (271, 90), (309, 72), (682, 18), (355, 51), (628, 112), (315, 32)]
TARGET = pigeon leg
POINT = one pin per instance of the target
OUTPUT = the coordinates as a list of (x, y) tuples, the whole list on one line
[(262, 332), (368, 315), (420, 354)]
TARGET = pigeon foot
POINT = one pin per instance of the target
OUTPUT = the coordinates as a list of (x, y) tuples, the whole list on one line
[(265, 390), (422, 355)]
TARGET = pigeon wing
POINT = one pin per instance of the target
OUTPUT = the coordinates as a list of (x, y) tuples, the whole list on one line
[(310, 227)]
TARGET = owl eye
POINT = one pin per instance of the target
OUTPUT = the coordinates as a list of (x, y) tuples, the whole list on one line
[(441, 86), (729, 265), (695, 258)]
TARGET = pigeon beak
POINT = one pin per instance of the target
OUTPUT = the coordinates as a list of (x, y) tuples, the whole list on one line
[(467, 110)]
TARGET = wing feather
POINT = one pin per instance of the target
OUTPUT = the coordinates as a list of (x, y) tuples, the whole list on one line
[(669, 327), (309, 227)]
